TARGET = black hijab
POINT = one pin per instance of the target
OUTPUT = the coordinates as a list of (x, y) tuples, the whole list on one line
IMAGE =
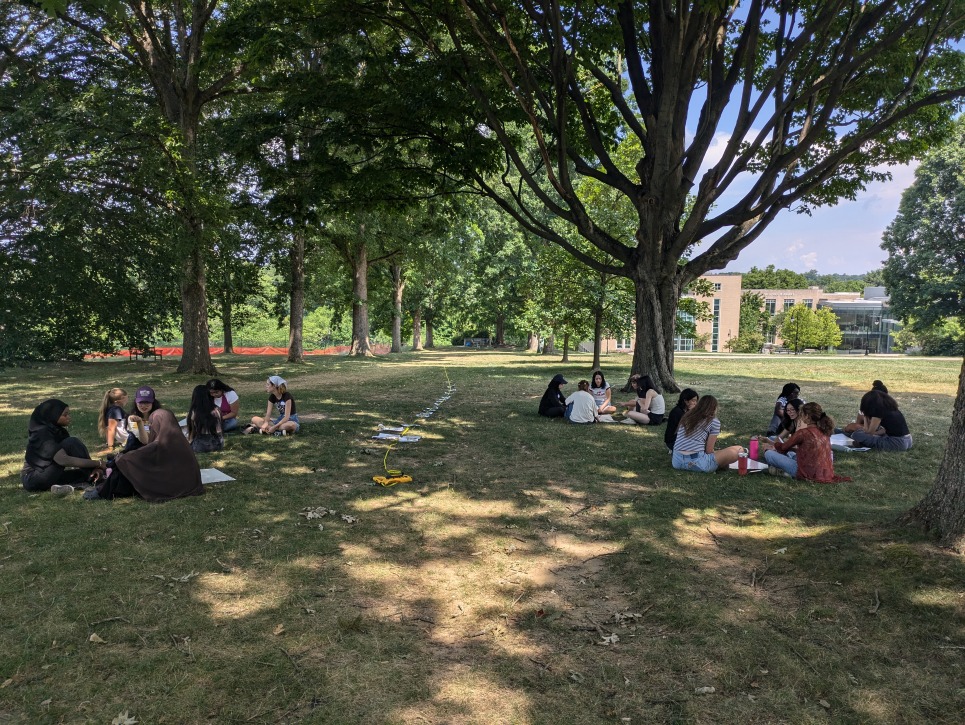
[(44, 436)]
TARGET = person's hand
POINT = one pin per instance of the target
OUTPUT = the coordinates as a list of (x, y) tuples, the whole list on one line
[(96, 475)]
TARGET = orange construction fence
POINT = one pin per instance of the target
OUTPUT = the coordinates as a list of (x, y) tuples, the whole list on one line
[(178, 351)]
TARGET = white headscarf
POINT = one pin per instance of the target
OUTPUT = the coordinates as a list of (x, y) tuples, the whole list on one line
[(277, 381)]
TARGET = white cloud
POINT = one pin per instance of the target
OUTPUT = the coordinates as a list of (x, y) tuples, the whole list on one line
[(809, 261)]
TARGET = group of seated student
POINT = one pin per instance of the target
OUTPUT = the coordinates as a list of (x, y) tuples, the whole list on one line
[(149, 453), (798, 440)]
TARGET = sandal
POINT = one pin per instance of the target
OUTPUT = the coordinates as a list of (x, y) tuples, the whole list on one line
[(249, 429)]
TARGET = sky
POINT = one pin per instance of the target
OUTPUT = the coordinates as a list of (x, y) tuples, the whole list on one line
[(843, 239)]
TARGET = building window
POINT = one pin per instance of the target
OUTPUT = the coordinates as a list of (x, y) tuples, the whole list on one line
[(623, 343), (717, 286), (715, 331), (788, 304), (683, 344), (770, 306), (808, 303)]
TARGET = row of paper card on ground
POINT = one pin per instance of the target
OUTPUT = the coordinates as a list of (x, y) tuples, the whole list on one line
[(393, 433)]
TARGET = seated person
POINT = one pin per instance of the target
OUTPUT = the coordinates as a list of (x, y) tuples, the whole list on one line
[(601, 391), (650, 405), (553, 402), (226, 400), (51, 450), (788, 392), (205, 432), (792, 415), (163, 469), (883, 427), (696, 437), (580, 406), (811, 441), (687, 400)]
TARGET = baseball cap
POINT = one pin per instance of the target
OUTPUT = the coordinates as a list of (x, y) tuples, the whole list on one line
[(144, 395)]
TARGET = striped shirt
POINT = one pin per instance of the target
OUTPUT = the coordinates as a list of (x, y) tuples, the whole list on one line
[(696, 442)]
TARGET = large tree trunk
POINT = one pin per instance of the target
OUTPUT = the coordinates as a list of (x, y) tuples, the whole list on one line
[(532, 342), (417, 329), (549, 346), (359, 260), (566, 347), (429, 343), (942, 510), (500, 330), (227, 324), (296, 302), (656, 317), (196, 356), (398, 286), (597, 335)]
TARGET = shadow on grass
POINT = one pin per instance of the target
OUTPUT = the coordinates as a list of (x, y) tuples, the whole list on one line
[(491, 587)]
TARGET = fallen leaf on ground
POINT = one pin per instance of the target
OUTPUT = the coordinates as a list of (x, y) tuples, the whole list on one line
[(280, 629), (782, 550), (123, 719), (705, 690), (825, 704), (349, 519), (46, 702), (95, 639)]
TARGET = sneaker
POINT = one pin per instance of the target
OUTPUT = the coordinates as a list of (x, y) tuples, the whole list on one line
[(61, 490), (774, 471), (629, 421), (91, 494)]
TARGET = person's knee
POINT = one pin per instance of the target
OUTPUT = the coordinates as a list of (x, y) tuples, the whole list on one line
[(74, 447)]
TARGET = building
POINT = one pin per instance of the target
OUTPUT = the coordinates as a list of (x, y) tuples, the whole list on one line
[(865, 320)]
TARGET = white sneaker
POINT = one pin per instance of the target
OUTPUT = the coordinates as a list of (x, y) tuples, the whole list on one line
[(61, 490), (629, 421)]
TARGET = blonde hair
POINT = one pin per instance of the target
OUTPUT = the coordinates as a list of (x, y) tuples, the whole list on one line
[(110, 397)]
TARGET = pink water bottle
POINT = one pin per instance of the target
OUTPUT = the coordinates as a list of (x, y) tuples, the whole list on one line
[(753, 448)]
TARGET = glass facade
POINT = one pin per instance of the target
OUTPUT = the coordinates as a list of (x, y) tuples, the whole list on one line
[(865, 326), (715, 330)]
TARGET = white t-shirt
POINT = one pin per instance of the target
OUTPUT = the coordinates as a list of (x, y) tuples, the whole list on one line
[(229, 397), (599, 394), (584, 407)]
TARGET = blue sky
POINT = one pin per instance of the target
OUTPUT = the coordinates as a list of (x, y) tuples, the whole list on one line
[(843, 239)]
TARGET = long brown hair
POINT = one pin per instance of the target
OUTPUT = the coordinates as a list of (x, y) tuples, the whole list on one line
[(704, 412), (823, 421), (110, 397)]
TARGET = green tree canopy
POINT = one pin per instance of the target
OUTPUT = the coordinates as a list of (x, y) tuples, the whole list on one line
[(770, 278)]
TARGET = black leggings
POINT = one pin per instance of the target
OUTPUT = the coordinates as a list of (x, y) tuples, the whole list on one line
[(41, 479), (115, 486)]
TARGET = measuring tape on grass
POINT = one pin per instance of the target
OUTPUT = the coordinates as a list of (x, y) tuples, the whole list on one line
[(395, 475)]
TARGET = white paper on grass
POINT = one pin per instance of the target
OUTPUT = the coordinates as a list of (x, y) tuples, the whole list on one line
[(394, 437), (841, 442), (213, 475), (752, 466), (391, 428)]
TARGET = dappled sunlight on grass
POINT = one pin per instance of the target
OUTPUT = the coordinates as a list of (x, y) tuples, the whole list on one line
[(939, 597), (238, 596), (460, 693)]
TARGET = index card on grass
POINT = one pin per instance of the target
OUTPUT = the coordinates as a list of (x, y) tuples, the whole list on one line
[(213, 475)]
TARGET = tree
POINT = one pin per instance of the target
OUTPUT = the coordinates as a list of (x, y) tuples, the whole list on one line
[(925, 276), (770, 278), (814, 97), (801, 327), (753, 323), (188, 56)]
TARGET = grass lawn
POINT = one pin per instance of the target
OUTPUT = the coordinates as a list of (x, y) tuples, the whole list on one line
[(533, 572)]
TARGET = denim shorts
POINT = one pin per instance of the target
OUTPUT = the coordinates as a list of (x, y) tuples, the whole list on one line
[(701, 462), (292, 419)]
